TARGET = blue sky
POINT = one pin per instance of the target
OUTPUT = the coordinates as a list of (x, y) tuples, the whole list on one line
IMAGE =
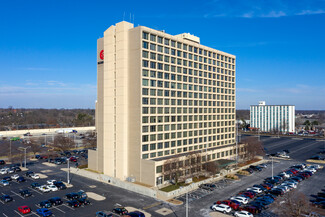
[(48, 47)]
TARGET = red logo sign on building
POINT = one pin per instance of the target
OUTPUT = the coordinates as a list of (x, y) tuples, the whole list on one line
[(101, 54)]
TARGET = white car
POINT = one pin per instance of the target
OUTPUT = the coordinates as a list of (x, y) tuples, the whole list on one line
[(242, 200), (221, 208), (35, 176), (316, 166), (255, 189), (50, 182), (4, 182), (283, 156), (286, 175), (312, 169), (44, 189), (15, 177), (53, 187), (10, 171), (243, 214), (291, 184), (3, 171)]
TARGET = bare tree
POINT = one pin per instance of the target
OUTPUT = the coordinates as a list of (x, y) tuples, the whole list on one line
[(211, 167), (253, 147), (292, 204), (63, 143), (35, 146)]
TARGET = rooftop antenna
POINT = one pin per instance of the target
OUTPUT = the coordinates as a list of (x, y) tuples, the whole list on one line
[(130, 18), (123, 15), (133, 19)]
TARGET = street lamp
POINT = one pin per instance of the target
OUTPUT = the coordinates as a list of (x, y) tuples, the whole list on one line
[(68, 175), (24, 148)]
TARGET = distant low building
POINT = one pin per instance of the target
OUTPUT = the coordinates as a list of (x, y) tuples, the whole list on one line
[(272, 118)]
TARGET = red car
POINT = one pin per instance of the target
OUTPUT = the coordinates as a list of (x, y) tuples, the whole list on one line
[(233, 205), (251, 209), (73, 159), (248, 194), (294, 171), (24, 209)]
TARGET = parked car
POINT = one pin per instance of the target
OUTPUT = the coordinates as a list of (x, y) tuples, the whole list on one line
[(53, 187), (4, 182), (24, 209), (103, 214), (50, 182), (60, 185), (221, 208), (25, 193), (208, 186), (72, 196), (73, 203), (83, 201), (44, 212), (136, 214), (7, 178), (29, 173), (55, 201), (44, 189), (243, 213), (45, 204), (35, 185), (120, 210), (15, 176), (233, 205), (6, 198), (35, 176), (21, 179), (251, 209), (242, 200), (2, 162)]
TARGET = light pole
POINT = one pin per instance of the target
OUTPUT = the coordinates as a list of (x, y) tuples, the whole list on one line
[(25, 148), (68, 175), (186, 204), (272, 168), (10, 150)]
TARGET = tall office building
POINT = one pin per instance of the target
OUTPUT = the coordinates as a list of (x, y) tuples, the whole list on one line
[(276, 118), (160, 96)]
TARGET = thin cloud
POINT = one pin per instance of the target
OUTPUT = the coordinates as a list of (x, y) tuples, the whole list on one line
[(264, 9)]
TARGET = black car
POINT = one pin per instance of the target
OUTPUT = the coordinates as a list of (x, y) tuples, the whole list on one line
[(120, 210), (136, 214), (56, 201), (84, 201), (73, 203), (321, 194), (7, 178), (35, 185), (6, 198), (276, 192), (72, 196), (17, 169), (25, 193), (2, 162), (60, 185), (29, 173), (258, 205), (249, 170), (21, 179), (45, 204)]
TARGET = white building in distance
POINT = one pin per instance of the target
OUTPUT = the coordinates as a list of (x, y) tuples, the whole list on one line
[(272, 118)]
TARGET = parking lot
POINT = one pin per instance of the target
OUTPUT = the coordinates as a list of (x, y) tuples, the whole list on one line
[(106, 197)]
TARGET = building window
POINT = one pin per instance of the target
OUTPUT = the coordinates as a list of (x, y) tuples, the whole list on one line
[(145, 35)]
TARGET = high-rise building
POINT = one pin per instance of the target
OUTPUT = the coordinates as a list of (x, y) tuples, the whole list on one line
[(160, 96), (272, 118)]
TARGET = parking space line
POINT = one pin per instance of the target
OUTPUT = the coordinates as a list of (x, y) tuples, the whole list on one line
[(4, 215), (58, 209), (18, 213), (35, 213), (68, 206), (18, 195)]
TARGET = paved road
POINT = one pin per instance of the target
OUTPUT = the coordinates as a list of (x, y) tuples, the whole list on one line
[(300, 149)]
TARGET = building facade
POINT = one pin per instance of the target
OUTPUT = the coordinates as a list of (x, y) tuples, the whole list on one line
[(272, 118), (160, 96)]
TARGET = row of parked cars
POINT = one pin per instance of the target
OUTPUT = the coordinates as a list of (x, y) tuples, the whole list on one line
[(80, 198), (120, 211), (258, 197)]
